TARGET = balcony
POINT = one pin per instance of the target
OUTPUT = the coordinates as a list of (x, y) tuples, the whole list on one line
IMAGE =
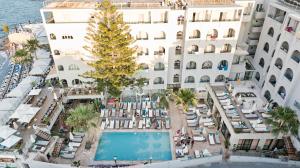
[(259, 15), (160, 38), (160, 21), (256, 29), (142, 38), (159, 52), (252, 42)]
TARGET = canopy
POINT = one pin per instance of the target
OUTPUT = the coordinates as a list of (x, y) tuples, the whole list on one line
[(6, 131), (11, 141), (35, 92), (39, 70), (9, 104), (24, 113), (42, 62), (20, 38), (24, 87)]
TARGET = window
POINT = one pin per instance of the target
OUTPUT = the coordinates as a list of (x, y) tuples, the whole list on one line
[(76, 82), (56, 52), (261, 62), (179, 35), (191, 65), (142, 36), (226, 48), (158, 80), (159, 67), (193, 49), (60, 68), (296, 56), (223, 65), (67, 37), (73, 67), (52, 36), (195, 34), (143, 66), (210, 49), (189, 79), (212, 34), (177, 64), (220, 78), (207, 65), (266, 47), (64, 82), (230, 33), (271, 32), (160, 51), (161, 35), (272, 80), (178, 50), (282, 92), (278, 63), (289, 74), (285, 47), (257, 76), (176, 78), (267, 95), (204, 79)]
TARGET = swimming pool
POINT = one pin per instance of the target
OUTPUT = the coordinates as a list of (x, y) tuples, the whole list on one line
[(134, 146)]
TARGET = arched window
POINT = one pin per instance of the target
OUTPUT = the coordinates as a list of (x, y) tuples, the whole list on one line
[(282, 92), (179, 35), (210, 49), (177, 64), (285, 47), (76, 82), (220, 78), (267, 95), (159, 67), (195, 34), (230, 33), (261, 62), (289, 74), (52, 36), (226, 48), (73, 67), (142, 36), (176, 78), (204, 79), (272, 80), (193, 49), (189, 79), (64, 83), (296, 56), (271, 31), (144, 66), (191, 65), (257, 76), (266, 47), (158, 80), (180, 20), (159, 36), (178, 50), (142, 51), (60, 68), (212, 34), (207, 65), (278, 63), (223, 65), (160, 51)]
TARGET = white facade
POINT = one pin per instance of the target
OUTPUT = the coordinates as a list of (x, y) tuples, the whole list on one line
[(183, 47)]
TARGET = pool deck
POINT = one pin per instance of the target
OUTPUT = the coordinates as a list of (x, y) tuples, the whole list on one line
[(178, 121)]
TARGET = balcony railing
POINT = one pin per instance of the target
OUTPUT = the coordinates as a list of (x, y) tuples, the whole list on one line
[(138, 22), (159, 53), (160, 38), (142, 38), (178, 52), (193, 52)]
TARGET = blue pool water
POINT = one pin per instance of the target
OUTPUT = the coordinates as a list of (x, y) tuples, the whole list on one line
[(134, 146)]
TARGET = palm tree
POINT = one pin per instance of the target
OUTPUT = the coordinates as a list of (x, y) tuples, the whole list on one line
[(164, 98), (284, 121), (186, 97), (31, 46), (22, 57)]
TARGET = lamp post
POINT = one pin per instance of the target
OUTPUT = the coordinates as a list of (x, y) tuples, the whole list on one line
[(150, 159), (115, 159)]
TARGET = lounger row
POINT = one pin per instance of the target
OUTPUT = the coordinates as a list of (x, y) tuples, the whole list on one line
[(214, 138), (135, 105), (124, 113)]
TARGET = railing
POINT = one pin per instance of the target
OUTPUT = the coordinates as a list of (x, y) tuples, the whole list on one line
[(160, 38), (200, 20), (141, 38), (138, 22)]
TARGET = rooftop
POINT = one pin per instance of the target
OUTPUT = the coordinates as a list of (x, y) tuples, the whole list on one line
[(136, 4)]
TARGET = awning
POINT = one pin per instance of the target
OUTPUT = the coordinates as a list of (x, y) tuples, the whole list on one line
[(9, 104), (42, 54), (24, 87), (39, 70), (6, 131), (25, 113), (11, 141), (35, 92)]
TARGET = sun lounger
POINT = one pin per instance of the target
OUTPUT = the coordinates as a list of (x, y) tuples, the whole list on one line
[(121, 113), (179, 153), (140, 124), (126, 124), (103, 124), (191, 117), (217, 138), (42, 143), (246, 111), (112, 124), (78, 139), (113, 112), (167, 123), (129, 106), (211, 139), (148, 123), (228, 107), (134, 105), (157, 113), (199, 138), (153, 105), (81, 134), (220, 94), (74, 144), (158, 124), (117, 124), (125, 106), (185, 150), (143, 105), (130, 124), (68, 155), (150, 113), (197, 154)]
